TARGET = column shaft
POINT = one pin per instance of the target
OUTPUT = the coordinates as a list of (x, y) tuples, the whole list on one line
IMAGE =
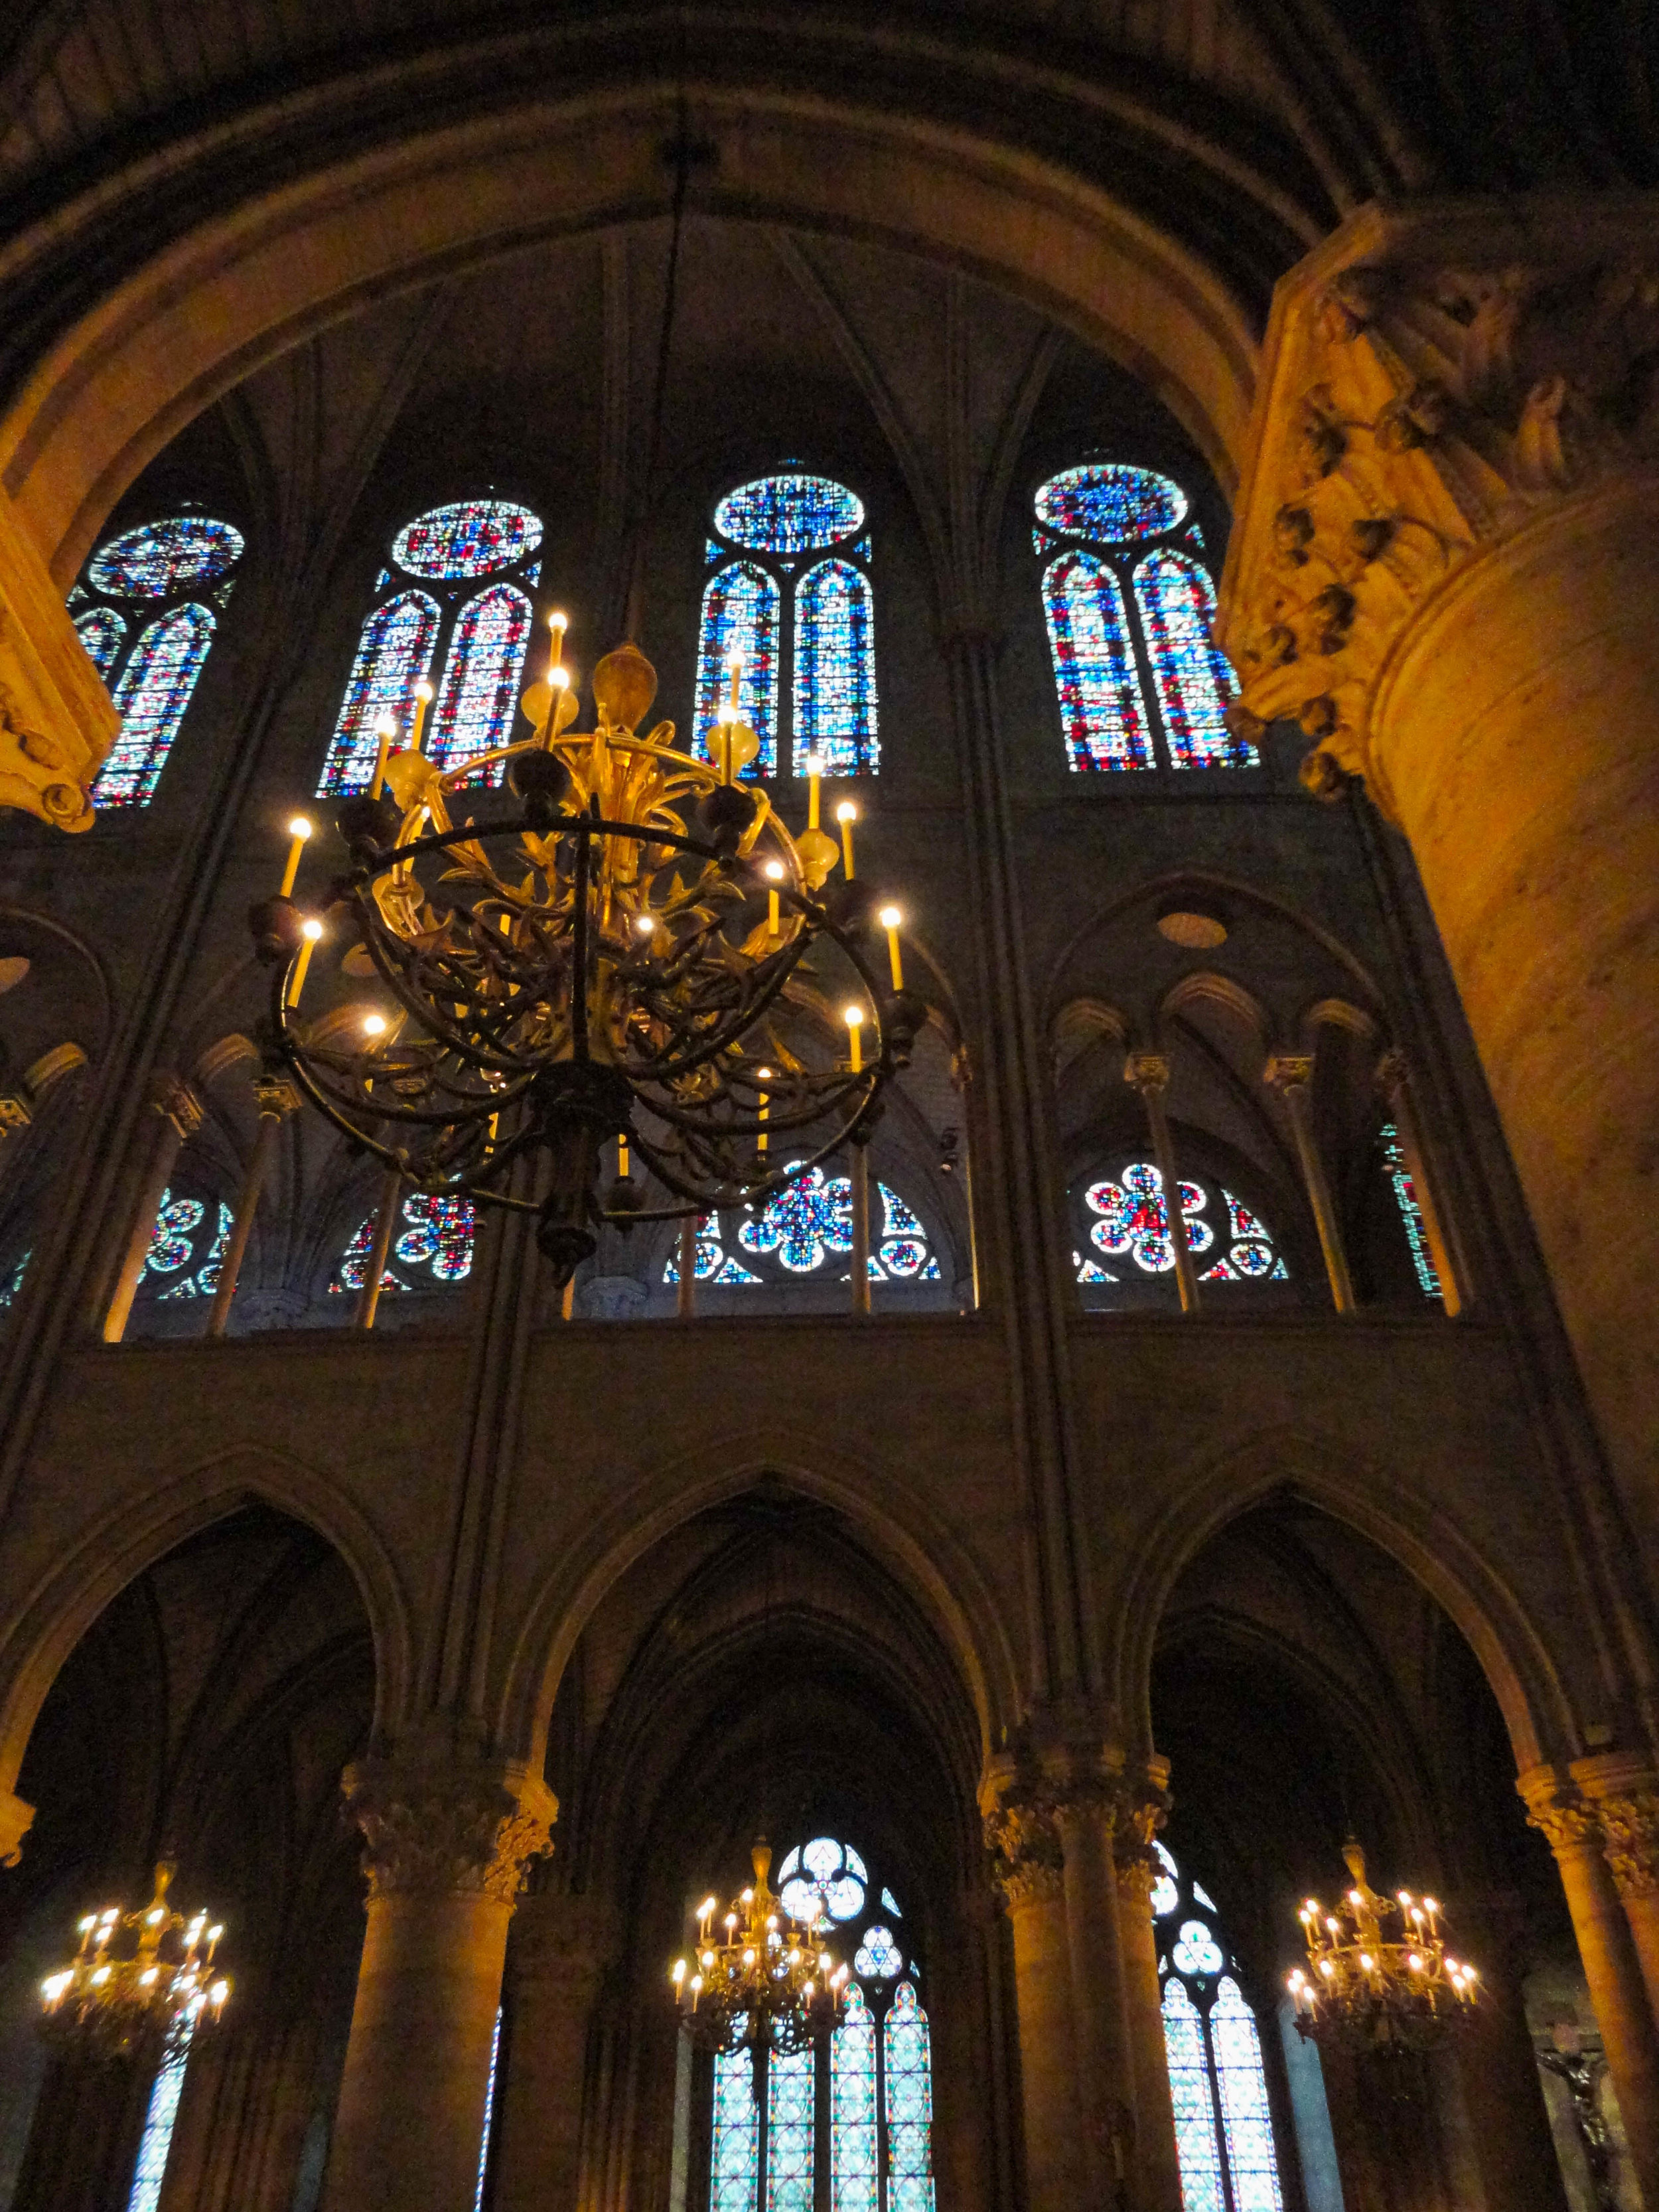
[(1056, 2178), (1290, 1077), (1156, 2158), (1150, 1074), (1101, 2054), (179, 1115), (386, 1221), (553, 1976), (278, 1100)]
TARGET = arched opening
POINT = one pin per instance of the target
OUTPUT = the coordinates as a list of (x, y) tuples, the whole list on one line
[(204, 1716)]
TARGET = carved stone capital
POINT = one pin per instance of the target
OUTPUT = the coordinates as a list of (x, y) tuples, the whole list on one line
[(276, 1095), (57, 721), (1143, 1807), (175, 1102), (1288, 1071), (1435, 379), (1624, 1789), (1147, 1070), (1022, 1836), (438, 1829), (1556, 1810), (16, 1819)]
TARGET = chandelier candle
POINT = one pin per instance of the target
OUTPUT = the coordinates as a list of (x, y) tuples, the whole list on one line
[(890, 920), (298, 831), (846, 814), (763, 1982), (385, 729), (1373, 1991), (423, 701), (310, 930), (137, 1978)]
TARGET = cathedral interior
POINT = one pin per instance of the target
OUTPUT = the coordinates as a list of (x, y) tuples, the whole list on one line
[(1149, 511)]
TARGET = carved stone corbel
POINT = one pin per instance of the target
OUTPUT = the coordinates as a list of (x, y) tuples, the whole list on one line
[(57, 721)]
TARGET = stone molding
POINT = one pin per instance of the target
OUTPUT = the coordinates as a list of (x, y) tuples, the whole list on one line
[(1435, 379), (448, 1830)]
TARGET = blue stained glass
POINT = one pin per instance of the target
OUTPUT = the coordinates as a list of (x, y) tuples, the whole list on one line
[(878, 1957), (1196, 2141), (740, 613), (804, 1223), (1165, 1895), (1411, 1213), (1246, 2123), (159, 2117), (852, 2173), (159, 558), (489, 2114), (394, 654), (713, 1263), (891, 1904), (14, 1282), (478, 697), (1101, 707), (437, 1241), (473, 537), (909, 2079), (1177, 605), (1134, 1219), (789, 2117), (734, 2162), (203, 1283), (789, 513), (1196, 1951), (151, 697), (835, 671), (102, 633), (1110, 502)]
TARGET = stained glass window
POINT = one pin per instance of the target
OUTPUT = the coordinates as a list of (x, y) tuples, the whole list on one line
[(1127, 599), (876, 2069), (476, 639), (160, 2115), (433, 1248), (488, 2114), (12, 1282), (740, 614), (151, 655), (808, 1226), (1127, 1219), (835, 670), (1224, 2127), (1411, 1212), (853, 2108), (480, 690), (186, 1247), (734, 2155), (759, 588), (909, 2101)]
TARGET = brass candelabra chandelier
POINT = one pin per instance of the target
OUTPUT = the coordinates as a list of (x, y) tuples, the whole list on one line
[(1373, 1989), (137, 1980), (627, 944), (760, 1980)]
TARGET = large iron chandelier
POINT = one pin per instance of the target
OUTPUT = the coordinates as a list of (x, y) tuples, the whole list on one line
[(627, 943), (137, 1980), (1371, 1990), (761, 1980)]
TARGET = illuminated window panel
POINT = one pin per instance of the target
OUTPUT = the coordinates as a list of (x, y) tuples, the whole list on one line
[(484, 2146), (483, 677), (1100, 703), (835, 671), (154, 689), (159, 559), (789, 2115), (1411, 1212), (103, 632), (1247, 2128), (1176, 601), (394, 654), (1128, 1220), (909, 2083), (159, 2116), (852, 2168), (734, 2157), (473, 538), (740, 613), (1196, 2140), (792, 513), (433, 1250), (1111, 503)]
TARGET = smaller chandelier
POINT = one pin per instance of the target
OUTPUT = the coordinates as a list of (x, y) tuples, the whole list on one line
[(1373, 1990), (138, 1980), (761, 1980)]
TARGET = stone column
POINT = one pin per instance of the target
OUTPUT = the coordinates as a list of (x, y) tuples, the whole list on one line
[(278, 1098), (179, 1112), (446, 1846), (1141, 1813), (1611, 1967), (1149, 1073), (1444, 566), (555, 1963), (1027, 1867), (1625, 1792), (1290, 1074), (1086, 1815)]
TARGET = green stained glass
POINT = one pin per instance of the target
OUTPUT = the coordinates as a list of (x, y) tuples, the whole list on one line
[(1242, 2087), (1196, 2141), (853, 2108), (909, 2087), (734, 2175), (789, 2113)]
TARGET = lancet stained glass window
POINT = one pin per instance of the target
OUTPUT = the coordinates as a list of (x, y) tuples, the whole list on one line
[(1411, 1212), (1224, 2127), (1125, 1218), (159, 2116), (473, 632), (807, 1227), (819, 615), (140, 610), (1130, 611), (876, 2068)]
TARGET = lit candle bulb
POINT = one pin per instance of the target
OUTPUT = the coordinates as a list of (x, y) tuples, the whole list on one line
[(298, 831), (423, 701), (774, 874), (846, 814), (557, 624), (734, 675), (814, 779), (762, 1141), (310, 930), (854, 1018), (890, 919), (384, 730), (374, 1025), (622, 1155)]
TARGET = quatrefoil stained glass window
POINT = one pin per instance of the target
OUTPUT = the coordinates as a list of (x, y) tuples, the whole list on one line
[(807, 1229), (454, 598), (1125, 1224), (186, 1247), (791, 591), (1130, 610), (145, 609)]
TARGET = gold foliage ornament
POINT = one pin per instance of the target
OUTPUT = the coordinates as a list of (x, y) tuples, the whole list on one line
[(626, 942)]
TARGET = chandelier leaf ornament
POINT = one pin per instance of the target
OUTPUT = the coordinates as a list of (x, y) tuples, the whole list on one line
[(628, 943), (759, 1979), (139, 1981), (1381, 1981)]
